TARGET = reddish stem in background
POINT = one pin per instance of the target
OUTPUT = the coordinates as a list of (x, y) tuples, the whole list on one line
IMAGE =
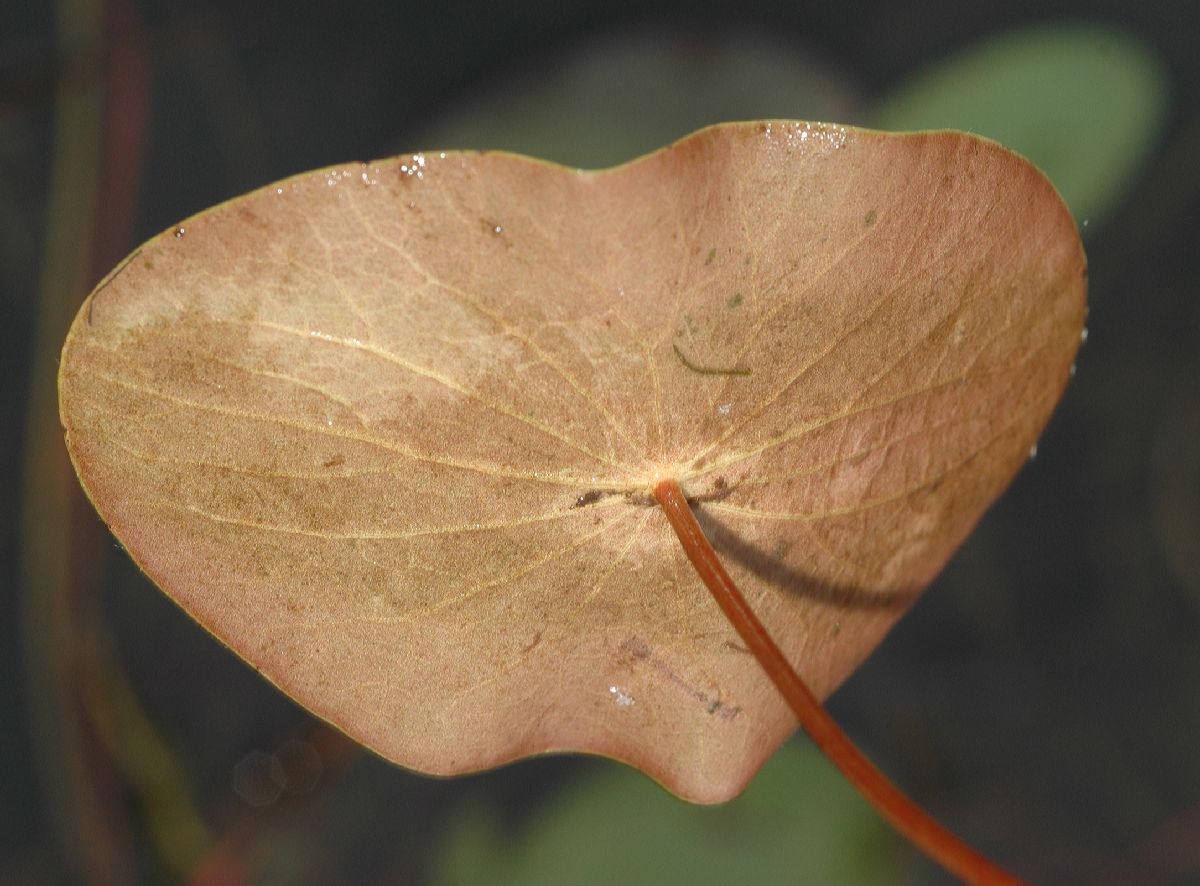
[(904, 815)]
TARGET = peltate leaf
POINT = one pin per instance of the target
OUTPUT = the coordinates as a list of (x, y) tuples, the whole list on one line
[(389, 430)]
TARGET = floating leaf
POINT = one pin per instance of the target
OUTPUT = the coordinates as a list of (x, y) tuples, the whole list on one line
[(391, 430)]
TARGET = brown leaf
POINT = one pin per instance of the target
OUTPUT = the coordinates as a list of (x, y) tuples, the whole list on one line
[(389, 430)]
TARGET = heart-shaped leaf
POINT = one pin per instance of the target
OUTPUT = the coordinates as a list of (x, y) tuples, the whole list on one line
[(391, 430)]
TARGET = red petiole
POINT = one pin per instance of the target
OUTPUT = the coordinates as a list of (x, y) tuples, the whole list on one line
[(904, 815)]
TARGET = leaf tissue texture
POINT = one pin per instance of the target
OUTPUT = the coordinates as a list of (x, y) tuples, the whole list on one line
[(390, 430)]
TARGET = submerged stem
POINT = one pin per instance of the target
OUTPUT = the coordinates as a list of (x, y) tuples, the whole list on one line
[(905, 816)]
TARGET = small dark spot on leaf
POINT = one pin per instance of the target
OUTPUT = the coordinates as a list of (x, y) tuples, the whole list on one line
[(719, 484), (636, 647), (592, 495), (712, 253), (869, 218), (640, 499), (718, 708), (707, 370), (735, 300), (532, 644), (334, 462)]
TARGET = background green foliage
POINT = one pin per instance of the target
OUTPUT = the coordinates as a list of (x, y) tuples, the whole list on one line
[(798, 818), (1086, 103)]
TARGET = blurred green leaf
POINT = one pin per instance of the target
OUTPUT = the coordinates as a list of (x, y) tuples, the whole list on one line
[(798, 822), (1085, 103), (610, 101)]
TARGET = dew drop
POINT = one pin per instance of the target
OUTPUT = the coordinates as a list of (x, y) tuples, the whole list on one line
[(1033, 452), (1083, 336), (724, 409), (179, 232), (414, 167), (622, 698), (1072, 371)]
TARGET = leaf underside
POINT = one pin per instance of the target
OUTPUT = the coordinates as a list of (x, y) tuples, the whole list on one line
[(390, 430)]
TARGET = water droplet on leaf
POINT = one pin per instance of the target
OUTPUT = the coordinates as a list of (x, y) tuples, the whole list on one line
[(622, 698)]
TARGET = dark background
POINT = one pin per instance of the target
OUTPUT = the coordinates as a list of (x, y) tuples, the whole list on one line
[(1043, 698)]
